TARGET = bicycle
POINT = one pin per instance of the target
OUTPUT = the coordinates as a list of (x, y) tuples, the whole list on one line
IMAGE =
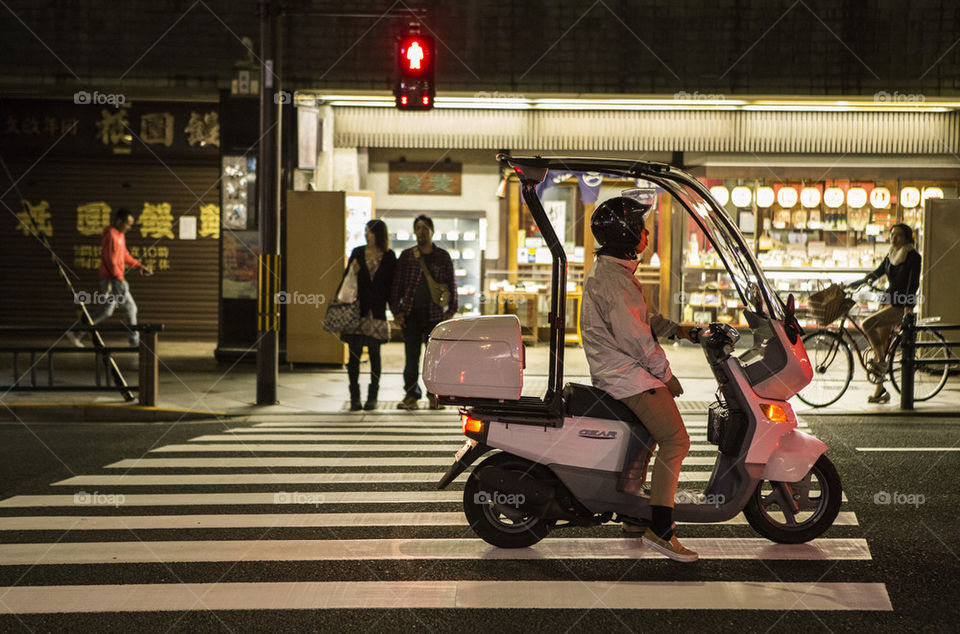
[(829, 350)]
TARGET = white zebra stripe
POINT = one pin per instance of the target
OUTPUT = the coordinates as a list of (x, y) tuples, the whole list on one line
[(325, 448), (226, 479), (248, 438), (305, 461), (137, 551), (300, 499), (496, 595), (280, 520)]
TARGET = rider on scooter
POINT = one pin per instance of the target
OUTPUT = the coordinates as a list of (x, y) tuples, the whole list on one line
[(626, 361)]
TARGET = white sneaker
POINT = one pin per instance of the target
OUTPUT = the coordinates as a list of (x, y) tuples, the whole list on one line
[(74, 339)]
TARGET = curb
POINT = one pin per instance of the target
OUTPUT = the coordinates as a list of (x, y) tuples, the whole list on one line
[(898, 413), (100, 413)]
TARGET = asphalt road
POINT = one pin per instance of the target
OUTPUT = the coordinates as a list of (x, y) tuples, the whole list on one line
[(912, 543)]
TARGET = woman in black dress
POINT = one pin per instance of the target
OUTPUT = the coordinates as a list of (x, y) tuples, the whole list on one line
[(374, 265)]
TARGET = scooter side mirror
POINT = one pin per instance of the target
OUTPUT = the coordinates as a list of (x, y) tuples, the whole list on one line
[(790, 324), (754, 297)]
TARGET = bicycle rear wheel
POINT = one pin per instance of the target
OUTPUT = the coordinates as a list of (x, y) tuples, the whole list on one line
[(928, 380), (832, 368)]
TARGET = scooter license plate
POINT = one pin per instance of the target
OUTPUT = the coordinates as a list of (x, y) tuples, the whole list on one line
[(467, 446)]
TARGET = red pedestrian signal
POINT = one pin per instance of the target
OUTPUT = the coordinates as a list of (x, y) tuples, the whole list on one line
[(414, 87)]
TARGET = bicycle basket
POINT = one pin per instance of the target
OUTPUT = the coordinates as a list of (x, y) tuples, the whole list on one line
[(828, 305)]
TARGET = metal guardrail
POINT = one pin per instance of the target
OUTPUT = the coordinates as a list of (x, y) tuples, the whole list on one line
[(908, 367), (148, 366)]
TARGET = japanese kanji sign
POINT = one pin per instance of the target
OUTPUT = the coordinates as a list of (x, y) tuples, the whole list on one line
[(40, 214), (210, 221), (92, 218), (431, 179), (156, 221)]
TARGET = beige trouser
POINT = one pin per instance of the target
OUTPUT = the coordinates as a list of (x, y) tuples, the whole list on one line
[(660, 416), (878, 326)]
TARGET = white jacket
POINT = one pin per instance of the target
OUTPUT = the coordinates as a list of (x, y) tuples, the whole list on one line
[(617, 331)]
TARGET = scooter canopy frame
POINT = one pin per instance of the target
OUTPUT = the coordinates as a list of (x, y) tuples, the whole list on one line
[(754, 289)]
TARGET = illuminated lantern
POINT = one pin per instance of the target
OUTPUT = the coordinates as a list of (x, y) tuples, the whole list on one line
[(932, 192), (765, 197), (741, 196), (833, 197), (787, 197), (909, 197), (857, 197), (880, 198), (721, 194), (809, 197)]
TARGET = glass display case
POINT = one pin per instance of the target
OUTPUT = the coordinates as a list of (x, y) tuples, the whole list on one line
[(806, 236), (461, 234)]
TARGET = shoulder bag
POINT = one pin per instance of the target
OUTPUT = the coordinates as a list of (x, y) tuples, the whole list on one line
[(439, 293)]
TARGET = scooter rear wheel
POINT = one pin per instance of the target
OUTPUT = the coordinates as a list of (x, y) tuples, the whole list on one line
[(494, 516), (797, 512)]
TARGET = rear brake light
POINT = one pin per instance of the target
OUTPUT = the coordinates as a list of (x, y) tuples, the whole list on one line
[(773, 412), (471, 425)]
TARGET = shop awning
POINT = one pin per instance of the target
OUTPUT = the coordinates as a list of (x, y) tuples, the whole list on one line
[(652, 130)]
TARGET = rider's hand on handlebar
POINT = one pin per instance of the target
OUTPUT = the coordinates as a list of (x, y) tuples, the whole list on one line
[(674, 386)]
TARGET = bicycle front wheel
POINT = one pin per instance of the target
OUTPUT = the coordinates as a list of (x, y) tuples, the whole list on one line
[(832, 368), (928, 379)]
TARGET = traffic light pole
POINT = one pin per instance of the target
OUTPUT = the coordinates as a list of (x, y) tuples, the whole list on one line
[(268, 199)]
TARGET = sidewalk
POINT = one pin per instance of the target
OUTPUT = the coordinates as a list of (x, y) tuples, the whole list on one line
[(194, 385)]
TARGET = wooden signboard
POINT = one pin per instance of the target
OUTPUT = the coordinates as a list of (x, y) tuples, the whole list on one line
[(425, 179)]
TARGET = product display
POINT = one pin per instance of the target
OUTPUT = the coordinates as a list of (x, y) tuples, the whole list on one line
[(837, 234), (460, 237)]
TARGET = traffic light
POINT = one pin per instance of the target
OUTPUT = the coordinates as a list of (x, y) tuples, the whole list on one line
[(414, 88)]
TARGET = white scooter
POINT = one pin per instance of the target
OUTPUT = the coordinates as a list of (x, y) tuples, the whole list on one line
[(560, 456)]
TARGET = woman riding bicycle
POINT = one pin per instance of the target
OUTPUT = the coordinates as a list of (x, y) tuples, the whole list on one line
[(902, 268)]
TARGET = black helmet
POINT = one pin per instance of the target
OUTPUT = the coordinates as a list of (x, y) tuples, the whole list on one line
[(617, 222)]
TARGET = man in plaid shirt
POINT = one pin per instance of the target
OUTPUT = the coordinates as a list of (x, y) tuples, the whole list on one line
[(414, 309)]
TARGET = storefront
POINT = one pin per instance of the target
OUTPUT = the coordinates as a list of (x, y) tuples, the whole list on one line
[(808, 232), (815, 192), (69, 166)]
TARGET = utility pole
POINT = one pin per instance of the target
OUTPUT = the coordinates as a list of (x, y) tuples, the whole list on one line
[(268, 194)]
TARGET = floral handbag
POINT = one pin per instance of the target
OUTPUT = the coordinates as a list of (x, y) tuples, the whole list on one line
[(343, 314)]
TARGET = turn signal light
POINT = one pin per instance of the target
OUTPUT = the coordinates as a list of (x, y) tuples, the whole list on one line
[(773, 412), (471, 425)]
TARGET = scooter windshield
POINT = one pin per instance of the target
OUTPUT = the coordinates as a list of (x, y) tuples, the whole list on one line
[(745, 272), (753, 288)]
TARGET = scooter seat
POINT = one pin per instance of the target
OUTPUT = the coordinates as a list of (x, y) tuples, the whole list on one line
[(586, 400)]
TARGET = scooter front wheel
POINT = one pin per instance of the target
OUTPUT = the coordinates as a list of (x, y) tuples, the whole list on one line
[(797, 512), (494, 515)]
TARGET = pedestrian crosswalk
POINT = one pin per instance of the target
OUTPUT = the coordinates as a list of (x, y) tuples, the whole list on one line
[(363, 490)]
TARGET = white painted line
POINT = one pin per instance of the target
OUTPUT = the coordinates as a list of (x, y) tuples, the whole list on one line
[(496, 595), (276, 520), (454, 426), (284, 461), (223, 479), (333, 448), (353, 429), (366, 436), (908, 448), (137, 551), (253, 438), (300, 499)]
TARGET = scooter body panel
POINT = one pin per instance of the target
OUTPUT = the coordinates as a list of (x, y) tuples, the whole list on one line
[(792, 459), (587, 443)]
